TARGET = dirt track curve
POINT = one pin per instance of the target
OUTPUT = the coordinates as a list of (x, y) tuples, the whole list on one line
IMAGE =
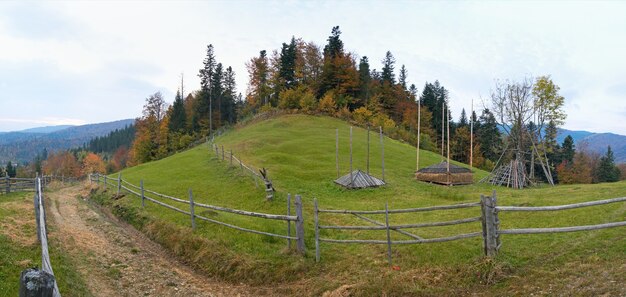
[(117, 260)]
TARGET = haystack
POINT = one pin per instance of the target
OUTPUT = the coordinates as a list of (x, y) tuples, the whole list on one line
[(359, 180), (439, 174)]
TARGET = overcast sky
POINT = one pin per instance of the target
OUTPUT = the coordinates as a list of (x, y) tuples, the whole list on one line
[(87, 62)]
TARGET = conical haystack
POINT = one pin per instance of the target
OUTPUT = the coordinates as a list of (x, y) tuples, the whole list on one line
[(359, 180), (439, 174)]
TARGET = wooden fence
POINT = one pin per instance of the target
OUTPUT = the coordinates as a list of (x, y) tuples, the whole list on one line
[(489, 219), (140, 191), (34, 282), (255, 174), (8, 185)]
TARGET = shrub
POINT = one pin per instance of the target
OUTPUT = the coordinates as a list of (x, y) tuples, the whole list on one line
[(327, 104)]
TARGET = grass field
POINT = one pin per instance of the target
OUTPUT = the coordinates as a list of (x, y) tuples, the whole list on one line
[(299, 153), (19, 249)]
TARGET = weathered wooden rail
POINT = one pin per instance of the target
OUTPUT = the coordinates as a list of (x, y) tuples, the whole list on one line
[(488, 218), (140, 191), (256, 175), (32, 281)]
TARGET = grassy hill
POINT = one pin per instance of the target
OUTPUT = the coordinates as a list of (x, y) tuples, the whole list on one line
[(299, 153)]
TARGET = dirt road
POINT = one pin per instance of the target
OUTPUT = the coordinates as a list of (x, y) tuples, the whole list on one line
[(117, 260)]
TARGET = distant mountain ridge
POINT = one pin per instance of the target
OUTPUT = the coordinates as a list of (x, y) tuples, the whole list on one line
[(47, 129), (597, 142), (24, 146)]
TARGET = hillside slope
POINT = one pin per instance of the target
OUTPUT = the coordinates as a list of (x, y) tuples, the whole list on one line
[(299, 153)]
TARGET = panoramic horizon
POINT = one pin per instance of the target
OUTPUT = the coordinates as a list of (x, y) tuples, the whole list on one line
[(88, 62)]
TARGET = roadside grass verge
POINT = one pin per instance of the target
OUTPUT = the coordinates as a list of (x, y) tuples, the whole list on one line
[(20, 249)]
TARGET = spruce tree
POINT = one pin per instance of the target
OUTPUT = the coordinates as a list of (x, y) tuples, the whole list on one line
[(607, 171), (178, 118), (489, 136), (388, 67), (568, 150), (402, 77), (364, 80), (463, 120), (287, 67)]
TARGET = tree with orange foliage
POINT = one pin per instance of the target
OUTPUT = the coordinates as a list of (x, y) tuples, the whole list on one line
[(62, 163), (92, 163)]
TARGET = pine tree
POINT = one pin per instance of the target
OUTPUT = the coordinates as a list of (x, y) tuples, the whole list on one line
[(334, 48), (178, 117), (207, 71), (216, 96), (607, 171), (463, 120), (365, 79), (287, 67), (10, 170), (402, 77), (230, 95), (388, 75), (568, 150), (489, 136)]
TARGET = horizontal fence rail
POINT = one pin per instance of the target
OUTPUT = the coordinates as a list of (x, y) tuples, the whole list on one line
[(142, 192), (560, 207), (387, 227)]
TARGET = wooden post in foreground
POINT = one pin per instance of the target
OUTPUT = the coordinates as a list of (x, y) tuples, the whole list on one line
[(388, 233), (368, 150), (34, 282), (143, 203), (317, 231), (8, 186), (299, 225), (193, 214), (231, 157), (105, 181), (419, 117), (119, 183), (289, 222), (490, 225)]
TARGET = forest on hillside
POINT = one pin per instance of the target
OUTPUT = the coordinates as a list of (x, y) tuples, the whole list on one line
[(299, 76)]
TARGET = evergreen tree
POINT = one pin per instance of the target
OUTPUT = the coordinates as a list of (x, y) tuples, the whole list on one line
[(365, 79), (287, 67), (178, 117), (216, 96), (230, 96), (463, 120), (568, 150), (10, 170), (413, 93), (489, 136), (334, 48), (207, 71), (402, 78), (607, 171), (388, 75)]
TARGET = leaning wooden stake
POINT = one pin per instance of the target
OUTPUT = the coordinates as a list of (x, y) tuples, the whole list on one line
[(317, 231), (299, 225), (191, 208)]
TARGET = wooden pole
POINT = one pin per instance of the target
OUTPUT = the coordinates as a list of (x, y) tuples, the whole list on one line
[(34, 282), (443, 110), (351, 178), (231, 157), (193, 214), (143, 204), (300, 225), (419, 117), (388, 233), (105, 181), (472, 136), (382, 148), (223, 153), (119, 183), (448, 139), (337, 150), (368, 150), (317, 231), (289, 222)]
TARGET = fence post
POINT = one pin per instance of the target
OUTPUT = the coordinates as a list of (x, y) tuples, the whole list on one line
[(193, 215), (8, 180), (217, 153), (388, 233), (299, 225), (231, 157), (241, 165), (34, 282), (490, 225), (105, 182), (143, 204), (496, 219), (222, 153), (317, 231), (119, 183), (289, 222)]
